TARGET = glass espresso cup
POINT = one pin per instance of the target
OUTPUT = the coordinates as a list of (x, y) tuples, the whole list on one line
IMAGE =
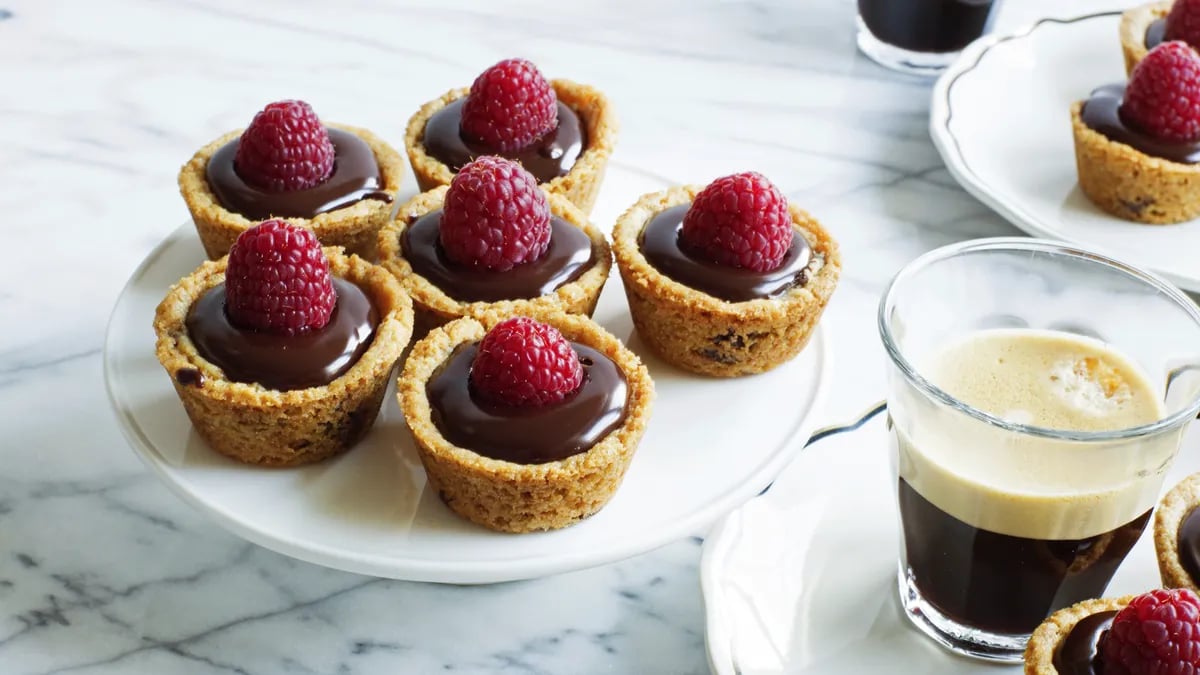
[(1004, 522), (921, 36)]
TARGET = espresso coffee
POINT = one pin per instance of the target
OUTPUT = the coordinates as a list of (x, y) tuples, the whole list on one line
[(926, 25), (1002, 528)]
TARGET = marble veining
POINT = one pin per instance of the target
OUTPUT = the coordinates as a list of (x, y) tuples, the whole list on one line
[(103, 571)]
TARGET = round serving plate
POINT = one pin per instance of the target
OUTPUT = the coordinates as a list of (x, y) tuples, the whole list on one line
[(711, 445)]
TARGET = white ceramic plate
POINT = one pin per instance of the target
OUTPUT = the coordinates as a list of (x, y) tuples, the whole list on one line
[(802, 580), (1000, 118), (711, 445)]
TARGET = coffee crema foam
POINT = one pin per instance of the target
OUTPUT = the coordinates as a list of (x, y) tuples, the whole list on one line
[(1022, 485)]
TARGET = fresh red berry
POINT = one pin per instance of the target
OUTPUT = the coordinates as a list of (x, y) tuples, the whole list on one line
[(510, 106), (740, 221), (285, 148), (525, 363), (495, 216), (1159, 632), (1163, 94), (278, 280), (1183, 22)]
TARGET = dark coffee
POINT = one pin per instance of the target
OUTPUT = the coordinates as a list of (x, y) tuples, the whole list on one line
[(927, 25), (1000, 583)]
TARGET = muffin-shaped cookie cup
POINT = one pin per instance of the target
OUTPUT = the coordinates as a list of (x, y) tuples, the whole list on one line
[(1039, 651), (511, 497), (1135, 21), (1175, 506), (580, 185), (1130, 184), (704, 334), (352, 227), (434, 307), (256, 425)]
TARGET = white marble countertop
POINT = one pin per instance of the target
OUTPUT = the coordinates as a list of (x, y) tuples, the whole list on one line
[(103, 571)]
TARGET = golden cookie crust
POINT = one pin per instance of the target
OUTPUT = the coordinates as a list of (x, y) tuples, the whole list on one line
[(257, 425), (1039, 652), (1135, 21), (434, 307), (1172, 509), (582, 183), (1130, 184), (703, 334), (352, 227), (510, 497)]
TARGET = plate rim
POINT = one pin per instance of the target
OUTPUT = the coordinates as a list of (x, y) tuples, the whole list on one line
[(458, 572), (941, 114)]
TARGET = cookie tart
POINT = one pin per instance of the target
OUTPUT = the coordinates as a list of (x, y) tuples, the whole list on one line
[(1177, 535), (560, 131), (725, 280), (1150, 634), (1137, 146), (1143, 28), (281, 351), (525, 424), (493, 241), (339, 181)]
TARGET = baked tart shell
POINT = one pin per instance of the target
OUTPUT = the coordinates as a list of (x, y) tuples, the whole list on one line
[(435, 308), (580, 185), (354, 227), (710, 336), (257, 425), (510, 497)]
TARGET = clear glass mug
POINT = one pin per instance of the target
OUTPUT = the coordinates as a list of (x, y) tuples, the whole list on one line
[(1004, 523), (922, 37)]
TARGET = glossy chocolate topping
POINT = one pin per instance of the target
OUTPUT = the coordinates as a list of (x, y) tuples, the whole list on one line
[(1102, 113), (528, 435), (355, 177), (666, 251), (1156, 34), (1188, 543), (570, 255), (285, 362), (547, 158), (1076, 653)]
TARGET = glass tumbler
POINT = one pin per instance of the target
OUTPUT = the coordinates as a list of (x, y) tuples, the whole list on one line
[(1003, 523), (922, 37)]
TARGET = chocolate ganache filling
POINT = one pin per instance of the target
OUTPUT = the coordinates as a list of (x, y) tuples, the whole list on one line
[(1156, 33), (285, 362), (1076, 653), (547, 158), (355, 177), (1102, 114), (1188, 544), (528, 435), (666, 250), (570, 255)]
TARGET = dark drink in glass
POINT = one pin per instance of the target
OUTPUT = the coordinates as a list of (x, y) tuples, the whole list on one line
[(920, 36), (1030, 434)]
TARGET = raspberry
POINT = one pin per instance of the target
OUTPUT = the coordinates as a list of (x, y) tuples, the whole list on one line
[(524, 363), (1183, 22), (510, 106), (285, 148), (278, 280), (1158, 632), (1163, 95), (495, 216), (740, 221)]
